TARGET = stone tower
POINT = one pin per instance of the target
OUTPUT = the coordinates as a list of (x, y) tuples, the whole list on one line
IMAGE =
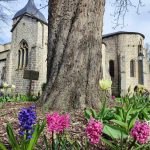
[(28, 48)]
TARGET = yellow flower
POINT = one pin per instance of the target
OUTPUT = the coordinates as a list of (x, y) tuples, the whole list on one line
[(13, 86), (5, 85), (141, 88), (105, 84)]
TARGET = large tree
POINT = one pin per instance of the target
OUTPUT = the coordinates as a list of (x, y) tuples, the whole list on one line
[(74, 53)]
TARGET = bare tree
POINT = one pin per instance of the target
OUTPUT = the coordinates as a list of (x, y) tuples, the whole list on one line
[(5, 11), (122, 7)]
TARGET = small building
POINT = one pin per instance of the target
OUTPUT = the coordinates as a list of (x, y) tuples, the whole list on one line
[(125, 61)]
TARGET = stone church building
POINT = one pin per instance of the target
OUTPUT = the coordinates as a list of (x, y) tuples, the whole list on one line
[(124, 58), (125, 61), (27, 50)]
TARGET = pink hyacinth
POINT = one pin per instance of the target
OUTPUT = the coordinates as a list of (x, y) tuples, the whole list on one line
[(141, 132), (57, 123), (94, 130)]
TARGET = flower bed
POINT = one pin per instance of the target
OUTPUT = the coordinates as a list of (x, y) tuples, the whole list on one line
[(123, 126)]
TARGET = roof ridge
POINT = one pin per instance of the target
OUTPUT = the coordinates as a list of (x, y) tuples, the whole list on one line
[(121, 32)]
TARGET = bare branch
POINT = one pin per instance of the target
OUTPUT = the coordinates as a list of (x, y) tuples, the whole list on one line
[(5, 11), (122, 8)]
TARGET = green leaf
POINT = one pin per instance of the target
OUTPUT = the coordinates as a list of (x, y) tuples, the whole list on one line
[(113, 147), (117, 117), (45, 142), (136, 110), (120, 123), (142, 147), (132, 120), (2, 146), (34, 139), (87, 113), (129, 113), (37, 131), (94, 115), (115, 132), (11, 137), (146, 114), (42, 127)]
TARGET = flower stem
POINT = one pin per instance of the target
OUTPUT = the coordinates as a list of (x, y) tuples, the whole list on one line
[(53, 140), (132, 144)]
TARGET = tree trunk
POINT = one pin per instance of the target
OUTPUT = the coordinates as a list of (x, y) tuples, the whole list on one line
[(74, 54)]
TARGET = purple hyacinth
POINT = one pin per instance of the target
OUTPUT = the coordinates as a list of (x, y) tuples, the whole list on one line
[(27, 118)]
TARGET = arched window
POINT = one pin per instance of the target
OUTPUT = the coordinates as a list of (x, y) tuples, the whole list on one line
[(23, 54), (132, 68), (140, 47), (22, 58), (19, 58), (26, 63), (111, 68)]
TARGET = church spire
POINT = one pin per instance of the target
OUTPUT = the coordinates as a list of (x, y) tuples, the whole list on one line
[(31, 10)]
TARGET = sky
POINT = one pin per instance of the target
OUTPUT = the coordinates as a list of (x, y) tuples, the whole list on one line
[(133, 22)]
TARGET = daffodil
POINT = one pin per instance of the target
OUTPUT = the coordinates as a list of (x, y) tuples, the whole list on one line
[(3, 90), (105, 84), (13, 86), (5, 85)]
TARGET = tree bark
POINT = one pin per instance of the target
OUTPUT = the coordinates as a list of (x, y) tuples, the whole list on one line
[(74, 54)]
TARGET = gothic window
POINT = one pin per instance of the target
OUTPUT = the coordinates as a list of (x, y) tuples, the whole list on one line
[(22, 58), (139, 48), (19, 58), (23, 54), (111, 68), (26, 63), (132, 68)]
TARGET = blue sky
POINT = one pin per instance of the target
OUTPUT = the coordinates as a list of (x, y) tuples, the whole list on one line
[(133, 21)]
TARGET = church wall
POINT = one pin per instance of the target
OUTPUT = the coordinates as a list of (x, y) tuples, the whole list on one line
[(112, 54), (28, 29), (4, 52), (126, 47), (146, 70), (41, 56)]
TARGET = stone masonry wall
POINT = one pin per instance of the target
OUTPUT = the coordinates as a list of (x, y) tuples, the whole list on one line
[(122, 49), (111, 54), (30, 30)]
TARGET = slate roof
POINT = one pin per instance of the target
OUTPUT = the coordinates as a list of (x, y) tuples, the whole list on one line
[(31, 10), (121, 32)]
